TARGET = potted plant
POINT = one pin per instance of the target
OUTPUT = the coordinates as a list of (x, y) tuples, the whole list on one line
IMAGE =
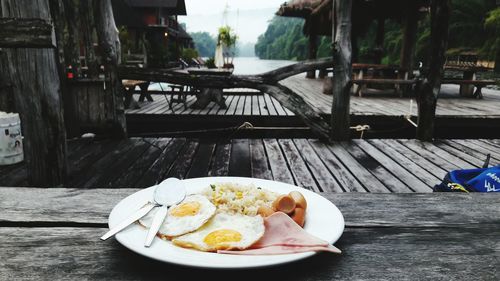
[(227, 39)]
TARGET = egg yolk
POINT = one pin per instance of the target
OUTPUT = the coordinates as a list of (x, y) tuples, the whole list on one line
[(222, 236), (186, 209)]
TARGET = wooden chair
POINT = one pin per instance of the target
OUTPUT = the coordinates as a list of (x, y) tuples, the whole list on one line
[(180, 91)]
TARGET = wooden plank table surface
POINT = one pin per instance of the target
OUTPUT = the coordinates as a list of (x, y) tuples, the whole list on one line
[(53, 234)]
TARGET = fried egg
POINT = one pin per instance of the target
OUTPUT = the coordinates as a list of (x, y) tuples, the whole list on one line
[(224, 232), (185, 217)]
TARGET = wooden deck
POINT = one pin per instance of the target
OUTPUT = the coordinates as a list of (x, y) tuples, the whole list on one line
[(384, 166), (385, 113), (449, 104)]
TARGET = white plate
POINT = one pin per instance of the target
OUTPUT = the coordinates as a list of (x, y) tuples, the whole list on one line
[(323, 220)]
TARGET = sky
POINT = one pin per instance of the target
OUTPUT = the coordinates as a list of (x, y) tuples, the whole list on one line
[(248, 17)]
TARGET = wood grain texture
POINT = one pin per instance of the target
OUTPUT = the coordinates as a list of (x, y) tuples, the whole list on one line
[(26, 33), (357, 166), (92, 206), (37, 97), (368, 254)]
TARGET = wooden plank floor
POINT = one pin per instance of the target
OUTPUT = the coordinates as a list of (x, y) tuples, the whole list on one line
[(381, 166), (449, 103), (256, 104), (247, 104)]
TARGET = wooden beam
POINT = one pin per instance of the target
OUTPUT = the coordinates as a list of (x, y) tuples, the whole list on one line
[(342, 70), (429, 90), (26, 33), (36, 90), (109, 43)]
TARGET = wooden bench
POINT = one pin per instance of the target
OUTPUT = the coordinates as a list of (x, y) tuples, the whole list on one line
[(362, 83), (479, 84)]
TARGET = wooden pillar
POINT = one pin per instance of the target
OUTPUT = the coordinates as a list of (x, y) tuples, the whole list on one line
[(109, 43), (379, 41), (87, 27), (409, 36), (342, 70), (312, 52), (37, 97), (72, 42), (429, 90)]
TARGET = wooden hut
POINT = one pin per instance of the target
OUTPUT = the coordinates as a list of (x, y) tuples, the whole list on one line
[(152, 25), (365, 13), (348, 19)]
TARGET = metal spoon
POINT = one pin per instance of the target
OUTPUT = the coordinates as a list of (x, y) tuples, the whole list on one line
[(169, 192), (174, 193)]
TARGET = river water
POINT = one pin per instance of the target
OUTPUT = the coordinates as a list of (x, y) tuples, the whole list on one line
[(254, 65)]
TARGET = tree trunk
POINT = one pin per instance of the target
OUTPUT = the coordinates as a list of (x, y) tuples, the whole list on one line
[(36, 89), (109, 43), (342, 70), (428, 93)]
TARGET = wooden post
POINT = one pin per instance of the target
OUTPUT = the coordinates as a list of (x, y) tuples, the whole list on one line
[(72, 44), (87, 27), (37, 97), (379, 41), (109, 43), (409, 37), (342, 69), (429, 90), (313, 49)]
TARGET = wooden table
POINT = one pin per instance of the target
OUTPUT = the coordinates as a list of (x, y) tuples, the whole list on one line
[(468, 75), (130, 85), (53, 234), (206, 95)]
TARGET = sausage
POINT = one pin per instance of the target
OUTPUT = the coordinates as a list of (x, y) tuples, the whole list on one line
[(265, 211), (299, 216), (300, 201), (284, 203)]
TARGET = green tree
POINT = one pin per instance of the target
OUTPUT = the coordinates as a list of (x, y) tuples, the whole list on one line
[(204, 43)]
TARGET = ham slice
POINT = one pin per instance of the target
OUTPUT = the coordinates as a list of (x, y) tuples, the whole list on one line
[(284, 236), (282, 250)]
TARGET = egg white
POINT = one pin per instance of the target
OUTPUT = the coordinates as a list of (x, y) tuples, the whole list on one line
[(251, 229), (174, 226)]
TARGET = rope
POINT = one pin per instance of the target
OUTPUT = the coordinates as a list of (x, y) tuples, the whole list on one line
[(361, 128), (409, 115)]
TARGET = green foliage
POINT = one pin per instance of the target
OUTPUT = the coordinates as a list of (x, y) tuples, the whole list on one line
[(210, 63), (188, 54), (205, 44), (474, 26), (227, 37), (283, 39)]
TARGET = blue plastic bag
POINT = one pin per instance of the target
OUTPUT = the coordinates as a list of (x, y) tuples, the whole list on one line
[(472, 180)]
